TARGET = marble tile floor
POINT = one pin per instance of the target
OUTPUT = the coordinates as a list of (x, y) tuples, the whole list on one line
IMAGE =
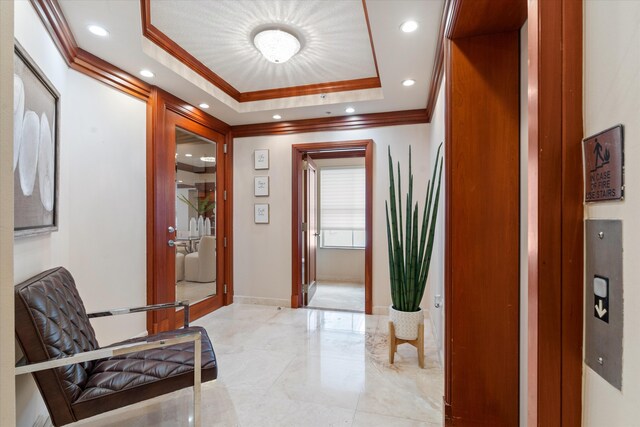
[(339, 295), (194, 291), (305, 367)]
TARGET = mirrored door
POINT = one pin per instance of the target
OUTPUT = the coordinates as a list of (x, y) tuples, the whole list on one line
[(186, 250), (195, 223)]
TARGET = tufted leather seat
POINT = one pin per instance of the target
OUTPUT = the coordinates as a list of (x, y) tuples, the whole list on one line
[(51, 322)]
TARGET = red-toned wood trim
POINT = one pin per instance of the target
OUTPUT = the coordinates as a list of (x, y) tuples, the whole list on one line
[(468, 18), (167, 112), (311, 89), (373, 48), (361, 121), (438, 64), (483, 207), (104, 72), (51, 15), (80, 60), (228, 212), (174, 49), (555, 213), (346, 154), (298, 151)]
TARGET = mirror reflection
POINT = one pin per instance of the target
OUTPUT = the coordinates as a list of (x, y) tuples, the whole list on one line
[(195, 216)]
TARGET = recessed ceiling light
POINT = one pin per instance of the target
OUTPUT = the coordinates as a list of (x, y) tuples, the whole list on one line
[(277, 116), (349, 110), (276, 46), (203, 105), (408, 82), (146, 73), (179, 181), (188, 155), (409, 26), (98, 30), (208, 159)]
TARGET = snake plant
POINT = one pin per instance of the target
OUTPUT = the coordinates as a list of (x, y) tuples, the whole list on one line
[(410, 252)]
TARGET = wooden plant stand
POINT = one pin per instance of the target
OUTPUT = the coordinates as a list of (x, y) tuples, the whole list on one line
[(417, 343)]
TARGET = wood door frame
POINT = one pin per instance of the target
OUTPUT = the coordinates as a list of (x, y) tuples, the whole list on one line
[(165, 111), (555, 247), (341, 149)]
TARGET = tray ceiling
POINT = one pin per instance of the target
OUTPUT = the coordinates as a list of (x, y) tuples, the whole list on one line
[(219, 34), (398, 55)]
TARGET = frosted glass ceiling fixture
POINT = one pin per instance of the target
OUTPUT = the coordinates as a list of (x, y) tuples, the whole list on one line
[(276, 45)]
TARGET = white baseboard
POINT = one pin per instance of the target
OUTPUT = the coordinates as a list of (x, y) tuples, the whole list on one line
[(276, 302)]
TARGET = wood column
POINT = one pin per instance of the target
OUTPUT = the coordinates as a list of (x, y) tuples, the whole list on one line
[(482, 230), (555, 213)]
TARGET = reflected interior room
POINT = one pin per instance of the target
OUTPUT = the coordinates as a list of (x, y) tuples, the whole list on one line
[(195, 217)]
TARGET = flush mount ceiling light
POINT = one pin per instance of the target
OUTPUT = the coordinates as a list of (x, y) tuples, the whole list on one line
[(349, 110), (98, 30), (409, 26), (408, 82), (203, 105), (188, 155), (277, 116), (208, 159), (146, 73), (276, 46)]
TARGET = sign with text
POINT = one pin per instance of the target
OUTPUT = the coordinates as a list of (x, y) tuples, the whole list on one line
[(604, 166)]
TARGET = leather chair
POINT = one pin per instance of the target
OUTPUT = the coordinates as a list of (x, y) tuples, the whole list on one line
[(52, 324), (201, 266)]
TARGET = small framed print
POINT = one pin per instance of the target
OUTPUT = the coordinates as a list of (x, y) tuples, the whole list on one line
[(261, 159), (261, 186), (261, 213)]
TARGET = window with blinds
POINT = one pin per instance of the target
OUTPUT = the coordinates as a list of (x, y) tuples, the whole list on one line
[(342, 207)]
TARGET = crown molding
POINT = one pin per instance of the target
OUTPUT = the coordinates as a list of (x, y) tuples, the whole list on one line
[(79, 59), (159, 38), (362, 121)]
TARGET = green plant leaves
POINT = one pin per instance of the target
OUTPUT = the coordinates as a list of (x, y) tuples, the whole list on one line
[(410, 254)]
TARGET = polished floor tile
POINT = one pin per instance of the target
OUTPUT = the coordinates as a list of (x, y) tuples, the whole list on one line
[(339, 296), (305, 367), (194, 291)]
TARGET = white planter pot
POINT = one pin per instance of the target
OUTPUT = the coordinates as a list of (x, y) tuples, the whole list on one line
[(406, 322)]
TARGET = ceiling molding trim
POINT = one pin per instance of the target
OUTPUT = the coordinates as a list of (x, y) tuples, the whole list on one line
[(438, 69), (159, 38), (80, 60), (395, 118)]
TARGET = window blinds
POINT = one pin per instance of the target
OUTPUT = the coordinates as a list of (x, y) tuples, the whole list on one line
[(342, 198)]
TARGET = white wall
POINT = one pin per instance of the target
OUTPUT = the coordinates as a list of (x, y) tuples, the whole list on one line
[(262, 253), (435, 283), (612, 96), (524, 206), (102, 196), (7, 358), (339, 265)]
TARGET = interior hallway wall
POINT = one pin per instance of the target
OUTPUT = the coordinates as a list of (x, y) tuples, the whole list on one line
[(435, 283), (7, 357), (262, 252), (102, 198), (336, 264), (612, 96)]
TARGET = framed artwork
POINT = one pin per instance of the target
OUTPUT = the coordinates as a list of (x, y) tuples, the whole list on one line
[(261, 213), (35, 148), (261, 159), (261, 186)]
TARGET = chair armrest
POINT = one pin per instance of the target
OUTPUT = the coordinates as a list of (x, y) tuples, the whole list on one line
[(117, 311), (106, 352)]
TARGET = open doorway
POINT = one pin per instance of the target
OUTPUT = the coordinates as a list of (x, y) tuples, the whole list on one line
[(332, 219)]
